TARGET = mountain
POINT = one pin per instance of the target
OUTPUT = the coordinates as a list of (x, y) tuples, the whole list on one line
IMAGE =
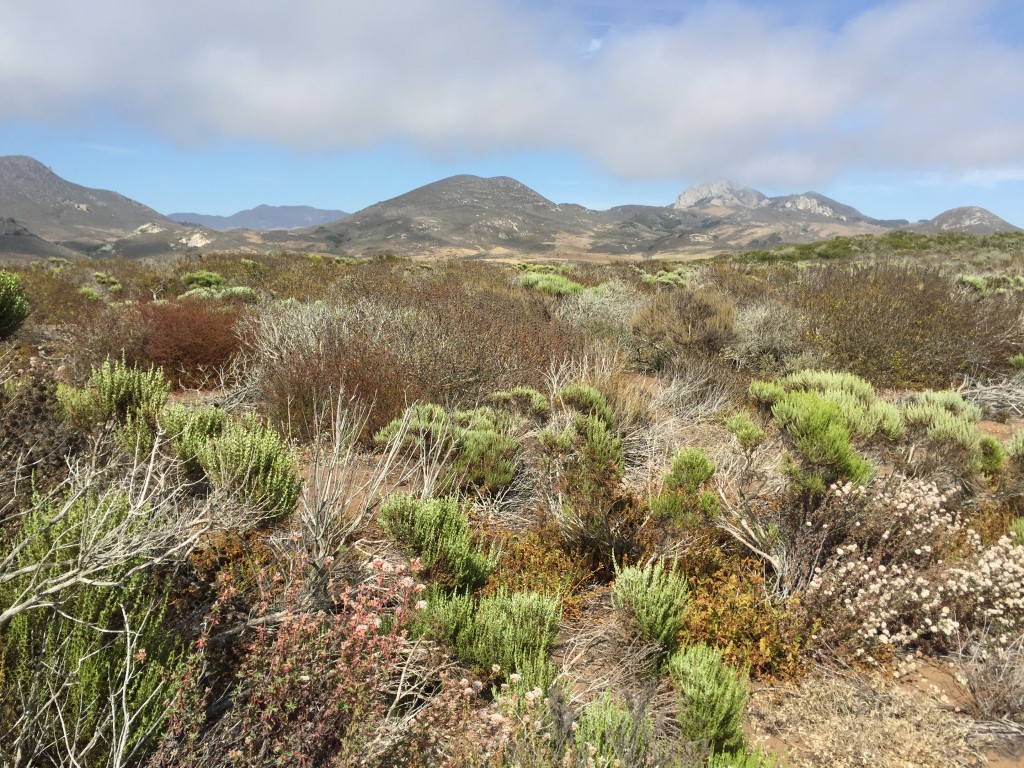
[(466, 214), (71, 215), (970, 219), (263, 217)]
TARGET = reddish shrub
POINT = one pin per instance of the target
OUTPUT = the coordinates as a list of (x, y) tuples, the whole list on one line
[(188, 338)]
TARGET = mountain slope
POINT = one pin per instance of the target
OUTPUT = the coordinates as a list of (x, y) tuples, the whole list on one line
[(16, 240), (70, 214), (263, 217), (461, 212)]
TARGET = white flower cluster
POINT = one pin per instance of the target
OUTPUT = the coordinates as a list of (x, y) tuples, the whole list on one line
[(894, 589)]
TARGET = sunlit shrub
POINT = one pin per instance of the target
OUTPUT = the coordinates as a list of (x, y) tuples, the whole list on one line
[(713, 697), (14, 305), (118, 391), (613, 733), (512, 631), (437, 530), (252, 460), (655, 596)]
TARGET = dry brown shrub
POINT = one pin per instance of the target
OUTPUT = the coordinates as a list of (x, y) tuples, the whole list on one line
[(847, 721), (681, 320), (903, 325)]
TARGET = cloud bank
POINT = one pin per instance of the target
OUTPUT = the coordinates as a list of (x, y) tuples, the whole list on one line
[(730, 90)]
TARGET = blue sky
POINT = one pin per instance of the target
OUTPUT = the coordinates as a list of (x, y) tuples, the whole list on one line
[(901, 108)]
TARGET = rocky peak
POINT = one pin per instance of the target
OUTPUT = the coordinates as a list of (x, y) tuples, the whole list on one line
[(720, 193)]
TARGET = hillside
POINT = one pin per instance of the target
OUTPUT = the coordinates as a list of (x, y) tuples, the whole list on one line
[(57, 210)]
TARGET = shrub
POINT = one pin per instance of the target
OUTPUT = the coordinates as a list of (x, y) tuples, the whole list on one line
[(526, 399), (477, 445), (613, 733), (588, 400), (905, 325), (75, 676), (730, 610), (747, 433), (250, 459), (551, 284), (187, 338), (203, 279), (14, 307), (1017, 531), (656, 598), (950, 425), (315, 689), (513, 630), (682, 498), (190, 431), (437, 530), (119, 391), (683, 320), (713, 698), (820, 434), (534, 561)]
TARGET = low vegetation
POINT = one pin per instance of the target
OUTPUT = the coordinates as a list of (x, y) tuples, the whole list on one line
[(280, 510)]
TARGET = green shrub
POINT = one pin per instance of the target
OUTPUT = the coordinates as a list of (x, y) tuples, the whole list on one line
[(551, 284), (747, 433), (118, 391), (13, 304), (514, 630), (656, 598), (820, 434), (437, 530), (191, 429), (950, 424), (588, 400), (713, 697), (682, 498), (85, 659), (743, 759), (525, 398), (1017, 362), (480, 449), (251, 459), (765, 392), (613, 733), (1017, 531), (1015, 447), (203, 279)]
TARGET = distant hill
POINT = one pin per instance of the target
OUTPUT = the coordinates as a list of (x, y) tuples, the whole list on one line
[(466, 213), (969, 219), (71, 215), (263, 217), (16, 240)]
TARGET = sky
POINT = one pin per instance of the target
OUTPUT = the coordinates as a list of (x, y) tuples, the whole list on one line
[(901, 108)]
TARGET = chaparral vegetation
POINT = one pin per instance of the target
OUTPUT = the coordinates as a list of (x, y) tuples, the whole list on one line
[(280, 511)]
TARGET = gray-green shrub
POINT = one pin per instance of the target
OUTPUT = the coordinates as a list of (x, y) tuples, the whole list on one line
[(713, 696), (251, 459), (656, 598), (14, 306), (437, 530)]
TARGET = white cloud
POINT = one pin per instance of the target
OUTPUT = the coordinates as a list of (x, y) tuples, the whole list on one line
[(729, 92)]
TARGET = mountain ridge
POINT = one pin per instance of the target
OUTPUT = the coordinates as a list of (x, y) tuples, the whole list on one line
[(462, 215), (263, 218)]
